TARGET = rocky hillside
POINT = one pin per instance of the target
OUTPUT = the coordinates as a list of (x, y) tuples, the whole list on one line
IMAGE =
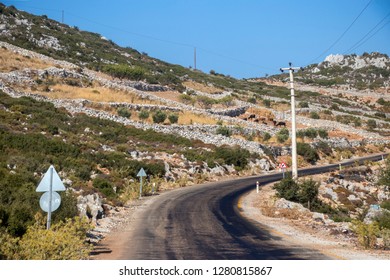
[(369, 71), (99, 112)]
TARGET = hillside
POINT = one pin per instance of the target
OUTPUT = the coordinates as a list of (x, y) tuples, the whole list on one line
[(99, 112)]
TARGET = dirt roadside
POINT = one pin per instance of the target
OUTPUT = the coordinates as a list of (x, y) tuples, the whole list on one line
[(307, 233)]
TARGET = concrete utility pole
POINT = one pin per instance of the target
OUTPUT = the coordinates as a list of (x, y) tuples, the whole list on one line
[(293, 122), (194, 58)]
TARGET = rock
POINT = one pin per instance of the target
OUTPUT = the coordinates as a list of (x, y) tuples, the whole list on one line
[(90, 206)]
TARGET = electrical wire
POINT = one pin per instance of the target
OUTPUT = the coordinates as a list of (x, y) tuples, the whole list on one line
[(343, 34)]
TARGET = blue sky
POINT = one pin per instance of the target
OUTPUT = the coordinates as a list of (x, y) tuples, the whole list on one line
[(247, 38)]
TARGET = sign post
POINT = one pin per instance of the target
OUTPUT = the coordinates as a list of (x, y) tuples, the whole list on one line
[(257, 186), (141, 174), (283, 166), (50, 200)]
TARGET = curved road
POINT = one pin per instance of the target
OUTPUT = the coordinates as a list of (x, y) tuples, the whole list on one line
[(204, 222)]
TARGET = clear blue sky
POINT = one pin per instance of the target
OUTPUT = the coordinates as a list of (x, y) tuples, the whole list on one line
[(247, 38)]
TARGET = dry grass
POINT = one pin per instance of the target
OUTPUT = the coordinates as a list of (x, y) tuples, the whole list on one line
[(186, 118), (94, 94), (202, 87), (10, 61), (170, 95)]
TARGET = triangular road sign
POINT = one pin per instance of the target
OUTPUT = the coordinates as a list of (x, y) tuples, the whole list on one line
[(44, 185), (141, 173)]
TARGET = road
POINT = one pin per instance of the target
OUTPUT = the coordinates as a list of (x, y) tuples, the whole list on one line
[(204, 222)]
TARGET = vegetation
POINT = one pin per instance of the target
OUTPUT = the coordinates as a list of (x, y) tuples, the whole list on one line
[(65, 240), (282, 135), (159, 117), (173, 118), (223, 130)]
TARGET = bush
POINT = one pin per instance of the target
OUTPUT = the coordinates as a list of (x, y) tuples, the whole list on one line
[(308, 153), (143, 115), (366, 233), (323, 133), (225, 131), (371, 124), (308, 192), (63, 241), (159, 117), (266, 136), (173, 118), (303, 104), (314, 115), (124, 112), (287, 189), (267, 103), (282, 135), (236, 156), (125, 72)]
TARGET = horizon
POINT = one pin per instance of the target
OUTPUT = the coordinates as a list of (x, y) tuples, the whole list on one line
[(232, 38)]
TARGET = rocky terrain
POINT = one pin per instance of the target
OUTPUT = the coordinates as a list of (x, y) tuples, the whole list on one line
[(83, 74)]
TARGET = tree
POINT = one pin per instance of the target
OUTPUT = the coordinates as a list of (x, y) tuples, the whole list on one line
[(308, 192), (282, 135), (159, 117), (124, 112), (143, 115), (173, 118)]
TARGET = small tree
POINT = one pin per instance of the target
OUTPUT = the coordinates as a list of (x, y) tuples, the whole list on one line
[(308, 192), (173, 118), (143, 115), (266, 136), (314, 115), (124, 112), (159, 117), (282, 135)]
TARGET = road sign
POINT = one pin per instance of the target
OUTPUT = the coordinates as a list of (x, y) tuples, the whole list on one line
[(45, 200), (141, 174), (50, 200), (44, 185), (283, 165)]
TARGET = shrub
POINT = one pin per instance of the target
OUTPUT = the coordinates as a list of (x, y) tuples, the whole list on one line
[(267, 103), (124, 112), (159, 117), (384, 178), (252, 100), (173, 118), (303, 104), (323, 133), (225, 131), (366, 233), (371, 124), (308, 153), (125, 72), (282, 135), (266, 136), (143, 115), (236, 156), (287, 189), (63, 241), (308, 192), (314, 115)]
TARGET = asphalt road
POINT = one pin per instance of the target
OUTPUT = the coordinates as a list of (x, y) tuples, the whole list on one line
[(204, 222)]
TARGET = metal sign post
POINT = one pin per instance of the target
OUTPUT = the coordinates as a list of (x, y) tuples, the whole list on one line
[(257, 186), (141, 174), (50, 200)]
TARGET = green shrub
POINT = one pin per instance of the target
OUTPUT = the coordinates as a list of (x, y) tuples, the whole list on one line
[(143, 115), (266, 136), (366, 233), (173, 118), (125, 72), (267, 103), (236, 156), (287, 189), (282, 135), (314, 115), (371, 124), (225, 131), (308, 192), (63, 241), (308, 153), (159, 117), (323, 133), (303, 104), (124, 112)]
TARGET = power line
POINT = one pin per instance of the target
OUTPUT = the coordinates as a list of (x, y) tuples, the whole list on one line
[(152, 37), (357, 44), (342, 35)]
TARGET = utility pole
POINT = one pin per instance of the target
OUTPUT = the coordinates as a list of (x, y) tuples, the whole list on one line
[(195, 58), (293, 122), (63, 16)]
